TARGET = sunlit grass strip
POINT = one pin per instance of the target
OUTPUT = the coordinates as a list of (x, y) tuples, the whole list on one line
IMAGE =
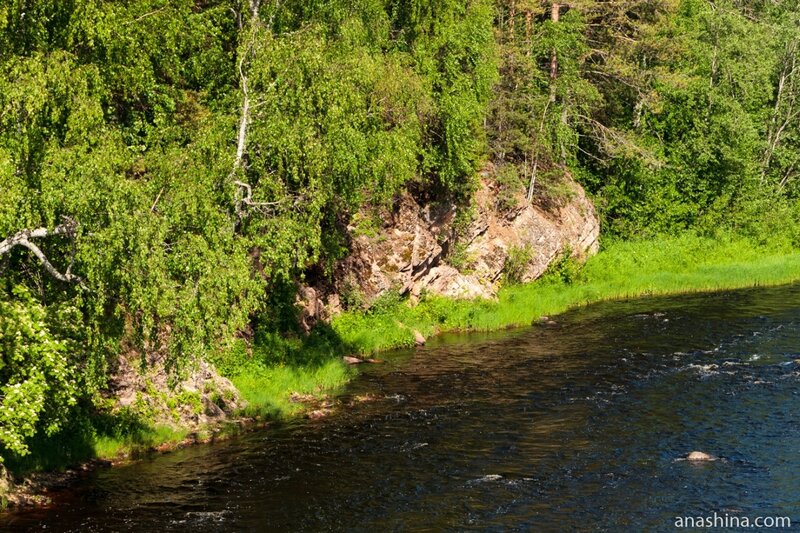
[(141, 441), (267, 390), (668, 265)]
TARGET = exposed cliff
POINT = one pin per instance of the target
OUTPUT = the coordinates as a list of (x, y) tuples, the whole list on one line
[(418, 248)]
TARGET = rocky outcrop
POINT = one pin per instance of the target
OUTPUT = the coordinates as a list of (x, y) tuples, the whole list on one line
[(418, 250), (198, 398)]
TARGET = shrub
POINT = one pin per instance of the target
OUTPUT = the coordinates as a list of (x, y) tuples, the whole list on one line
[(516, 263), (40, 380)]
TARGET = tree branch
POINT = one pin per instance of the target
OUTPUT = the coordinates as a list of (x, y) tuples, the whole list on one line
[(148, 14), (23, 238), (245, 198)]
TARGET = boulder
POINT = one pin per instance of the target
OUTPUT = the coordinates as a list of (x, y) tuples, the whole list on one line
[(700, 457)]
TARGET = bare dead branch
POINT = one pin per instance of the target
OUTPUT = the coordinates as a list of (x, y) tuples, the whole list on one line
[(148, 14), (155, 202), (245, 199), (612, 140)]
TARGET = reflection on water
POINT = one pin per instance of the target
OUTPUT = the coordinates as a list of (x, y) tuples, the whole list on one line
[(567, 427)]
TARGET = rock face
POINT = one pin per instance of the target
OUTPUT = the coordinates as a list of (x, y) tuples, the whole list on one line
[(415, 249), (201, 396)]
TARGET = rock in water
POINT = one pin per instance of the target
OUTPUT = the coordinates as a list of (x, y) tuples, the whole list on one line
[(700, 457), (419, 340)]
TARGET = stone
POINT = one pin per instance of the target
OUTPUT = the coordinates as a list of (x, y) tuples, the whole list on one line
[(296, 397), (700, 457), (334, 304), (312, 310), (130, 382), (419, 340)]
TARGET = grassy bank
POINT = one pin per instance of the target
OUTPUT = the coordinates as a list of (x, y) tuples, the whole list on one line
[(668, 265), (278, 367)]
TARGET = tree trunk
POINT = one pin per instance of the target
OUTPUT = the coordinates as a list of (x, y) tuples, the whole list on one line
[(512, 15), (784, 112), (555, 11), (23, 238), (528, 25)]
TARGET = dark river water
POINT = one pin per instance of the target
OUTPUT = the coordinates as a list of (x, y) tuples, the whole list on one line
[(573, 426)]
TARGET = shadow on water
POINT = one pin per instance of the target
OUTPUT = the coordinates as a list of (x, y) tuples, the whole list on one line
[(572, 426)]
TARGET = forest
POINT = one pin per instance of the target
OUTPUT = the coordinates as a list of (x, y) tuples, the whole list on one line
[(171, 169)]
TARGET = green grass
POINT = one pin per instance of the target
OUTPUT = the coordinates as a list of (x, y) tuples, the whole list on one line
[(667, 265), (268, 389), (275, 366), (141, 441), (102, 436)]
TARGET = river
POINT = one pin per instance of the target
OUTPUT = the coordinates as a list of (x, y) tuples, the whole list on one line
[(572, 426)]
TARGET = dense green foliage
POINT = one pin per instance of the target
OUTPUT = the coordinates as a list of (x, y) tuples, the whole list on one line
[(170, 169), (40, 375), (124, 116), (675, 115)]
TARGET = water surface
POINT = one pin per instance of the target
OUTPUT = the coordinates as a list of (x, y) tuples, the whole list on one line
[(573, 426)]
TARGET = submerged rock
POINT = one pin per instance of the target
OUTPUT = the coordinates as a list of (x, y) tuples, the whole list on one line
[(485, 479), (700, 457), (297, 397)]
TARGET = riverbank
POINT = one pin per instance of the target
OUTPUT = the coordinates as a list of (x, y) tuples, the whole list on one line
[(487, 431), (663, 266), (298, 376)]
